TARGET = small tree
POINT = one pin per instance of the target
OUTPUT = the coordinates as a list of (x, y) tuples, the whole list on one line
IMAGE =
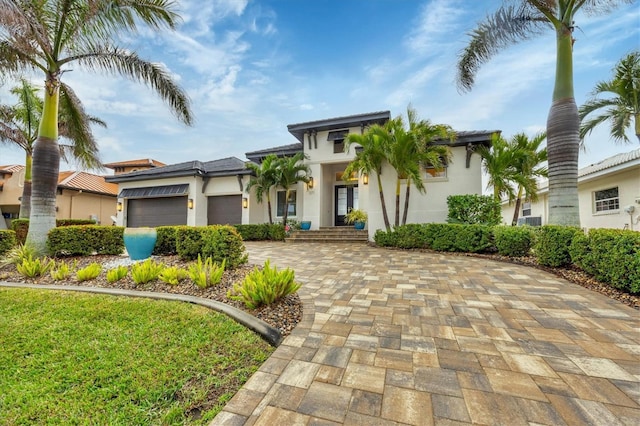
[(264, 180), (290, 171)]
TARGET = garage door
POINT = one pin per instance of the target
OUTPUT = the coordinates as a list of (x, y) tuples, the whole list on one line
[(224, 209), (156, 211)]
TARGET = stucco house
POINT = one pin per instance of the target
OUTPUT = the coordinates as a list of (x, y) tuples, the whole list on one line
[(608, 191), (200, 193), (80, 195)]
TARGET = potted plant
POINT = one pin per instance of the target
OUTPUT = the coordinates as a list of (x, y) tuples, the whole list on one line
[(356, 217)]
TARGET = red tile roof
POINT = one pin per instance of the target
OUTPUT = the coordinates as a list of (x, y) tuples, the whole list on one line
[(143, 162), (86, 182)]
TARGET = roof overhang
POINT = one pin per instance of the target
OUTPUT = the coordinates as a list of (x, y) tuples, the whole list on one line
[(298, 130), (155, 191)]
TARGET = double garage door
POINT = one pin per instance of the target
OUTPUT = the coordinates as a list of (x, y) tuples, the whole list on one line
[(173, 211)]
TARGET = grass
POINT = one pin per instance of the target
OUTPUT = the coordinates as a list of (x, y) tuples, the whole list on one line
[(69, 358)]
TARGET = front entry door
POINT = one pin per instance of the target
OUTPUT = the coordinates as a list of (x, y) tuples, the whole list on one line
[(346, 199)]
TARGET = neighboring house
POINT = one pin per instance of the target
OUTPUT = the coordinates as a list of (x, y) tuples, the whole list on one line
[(192, 193), (133, 165), (80, 195), (201, 193), (609, 195)]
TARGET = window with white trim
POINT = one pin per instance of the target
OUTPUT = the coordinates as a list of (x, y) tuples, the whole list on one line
[(606, 200), (280, 202), (526, 209)]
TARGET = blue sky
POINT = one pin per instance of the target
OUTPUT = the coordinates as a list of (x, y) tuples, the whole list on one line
[(251, 67)]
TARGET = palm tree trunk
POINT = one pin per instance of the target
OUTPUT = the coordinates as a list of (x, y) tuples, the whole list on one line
[(269, 207), (46, 165), (285, 214), (25, 200), (385, 216), (397, 218), (406, 202), (516, 212), (563, 138), (636, 119)]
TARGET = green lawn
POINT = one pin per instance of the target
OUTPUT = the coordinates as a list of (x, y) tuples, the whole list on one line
[(69, 358)]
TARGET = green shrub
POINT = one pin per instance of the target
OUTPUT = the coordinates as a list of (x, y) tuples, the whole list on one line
[(173, 275), (206, 274), (144, 272), (82, 240), (277, 232), (189, 241), (222, 243), (117, 273), (473, 209), (612, 256), (552, 245), (263, 231), (89, 272), (31, 267), (62, 270), (409, 236), (7, 240), (165, 241), (385, 238), (263, 287), (473, 238), (514, 241), (440, 236), (21, 226)]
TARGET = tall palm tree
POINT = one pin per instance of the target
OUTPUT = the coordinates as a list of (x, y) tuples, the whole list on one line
[(264, 179), (48, 36), (623, 107), (529, 159), (519, 20), (369, 159), (19, 126), (410, 149), (290, 171)]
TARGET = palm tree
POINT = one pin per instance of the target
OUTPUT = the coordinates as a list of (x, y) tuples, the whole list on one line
[(290, 171), (47, 36), (528, 159), (410, 149), (19, 126), (498, 163), (264, 179), (623, 107), (369, 159), (520, 20)]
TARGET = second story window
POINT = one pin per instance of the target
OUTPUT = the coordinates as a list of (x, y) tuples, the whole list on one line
[(337, 137)]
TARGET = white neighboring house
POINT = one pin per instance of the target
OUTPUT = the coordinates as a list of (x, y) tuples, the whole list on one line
[(201, 193), (609, 195)]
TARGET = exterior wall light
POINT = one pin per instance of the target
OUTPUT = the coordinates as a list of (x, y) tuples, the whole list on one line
[(119, 206), (190, 203), (365, 179), (310, 183), (245, 202)]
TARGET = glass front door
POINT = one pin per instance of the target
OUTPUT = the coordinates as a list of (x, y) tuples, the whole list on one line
[(346, 198)]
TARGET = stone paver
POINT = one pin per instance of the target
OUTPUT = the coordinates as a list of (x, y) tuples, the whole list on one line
[(391, 337)]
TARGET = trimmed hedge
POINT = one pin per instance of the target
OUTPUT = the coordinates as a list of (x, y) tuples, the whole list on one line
[(21, 226), (220, 242), (261, 232), (166, 241), (552, 245), (514, 241), (438, 236), (610, 255), (76, 240), (7, 240)]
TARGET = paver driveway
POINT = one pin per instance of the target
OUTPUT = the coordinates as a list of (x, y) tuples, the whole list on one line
[(401, 337)]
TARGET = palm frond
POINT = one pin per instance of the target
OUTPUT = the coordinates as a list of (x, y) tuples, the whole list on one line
[(509, 25), (76, 125), (116, 61)]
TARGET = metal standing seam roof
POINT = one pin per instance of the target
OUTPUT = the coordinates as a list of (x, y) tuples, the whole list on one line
[(155, 191), (143, 162), (10, 169)]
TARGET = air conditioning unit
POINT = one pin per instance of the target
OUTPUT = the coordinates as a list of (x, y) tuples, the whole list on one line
[(530, 220)]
